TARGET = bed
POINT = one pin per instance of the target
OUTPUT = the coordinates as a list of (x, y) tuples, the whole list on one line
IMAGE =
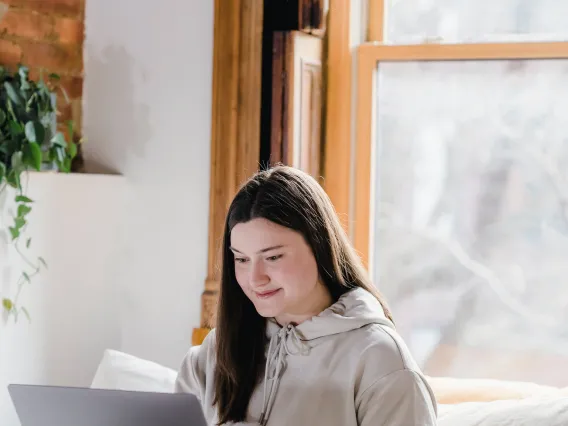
[(462, 402)]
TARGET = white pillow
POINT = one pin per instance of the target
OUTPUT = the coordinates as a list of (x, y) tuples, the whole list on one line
[(532, 411), (122, 371)]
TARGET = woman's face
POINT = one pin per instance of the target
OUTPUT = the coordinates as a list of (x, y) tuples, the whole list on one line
[(277, 270)]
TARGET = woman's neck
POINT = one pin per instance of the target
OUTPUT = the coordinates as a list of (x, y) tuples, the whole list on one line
[(315, 304)]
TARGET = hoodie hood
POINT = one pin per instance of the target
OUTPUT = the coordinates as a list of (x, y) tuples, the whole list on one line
[(355, 309)]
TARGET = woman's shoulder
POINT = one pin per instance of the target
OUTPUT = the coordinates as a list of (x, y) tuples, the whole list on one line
[(202, 355), (196, 366), (206, 350), (384, 343), (387, 371)]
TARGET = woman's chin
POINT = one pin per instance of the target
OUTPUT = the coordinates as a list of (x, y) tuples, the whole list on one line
[(268, 312), (268, 309)]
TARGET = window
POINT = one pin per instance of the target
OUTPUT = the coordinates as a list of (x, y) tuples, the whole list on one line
[(460, 21), (459, 190)]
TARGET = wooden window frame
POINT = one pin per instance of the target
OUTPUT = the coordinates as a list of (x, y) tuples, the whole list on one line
[(356, 194), (337, 134)]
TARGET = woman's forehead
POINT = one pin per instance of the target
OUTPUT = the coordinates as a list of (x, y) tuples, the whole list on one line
[(261, 234)]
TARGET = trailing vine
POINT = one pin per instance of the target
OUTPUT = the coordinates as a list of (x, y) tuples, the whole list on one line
[(29, 140)]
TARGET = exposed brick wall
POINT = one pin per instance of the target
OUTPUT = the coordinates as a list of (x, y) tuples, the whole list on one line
[(47, 34)]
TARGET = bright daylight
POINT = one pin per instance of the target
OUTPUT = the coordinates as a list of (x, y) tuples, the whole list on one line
[(284, 212)]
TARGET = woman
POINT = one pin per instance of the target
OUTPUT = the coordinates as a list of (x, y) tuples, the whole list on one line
[(302, 336)]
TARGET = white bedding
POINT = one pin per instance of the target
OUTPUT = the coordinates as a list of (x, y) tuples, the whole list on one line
[(537, 411), (118, 370)]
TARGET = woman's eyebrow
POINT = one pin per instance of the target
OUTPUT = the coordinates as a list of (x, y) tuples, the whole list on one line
[(264, 250)]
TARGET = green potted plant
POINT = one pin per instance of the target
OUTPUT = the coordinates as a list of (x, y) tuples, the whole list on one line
[(29, 140)]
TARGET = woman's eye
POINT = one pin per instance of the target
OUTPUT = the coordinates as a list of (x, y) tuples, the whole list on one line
[(273, 258), (240, 259)]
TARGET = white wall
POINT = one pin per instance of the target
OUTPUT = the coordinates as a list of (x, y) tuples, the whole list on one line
[(74, 307), (128, 278), (148, 69)]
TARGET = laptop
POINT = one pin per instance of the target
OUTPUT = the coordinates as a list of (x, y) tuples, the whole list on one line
[(69, 406)]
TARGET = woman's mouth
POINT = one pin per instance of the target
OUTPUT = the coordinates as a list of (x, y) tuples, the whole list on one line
[(267, 294)]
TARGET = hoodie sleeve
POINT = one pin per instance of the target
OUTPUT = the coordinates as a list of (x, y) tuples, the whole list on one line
[(401, 398), (192, 375)]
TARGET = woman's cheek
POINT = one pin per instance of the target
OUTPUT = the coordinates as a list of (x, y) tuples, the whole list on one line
[(287, 269)]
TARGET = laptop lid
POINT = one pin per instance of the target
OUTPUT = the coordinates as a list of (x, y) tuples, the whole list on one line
[(68, 406)]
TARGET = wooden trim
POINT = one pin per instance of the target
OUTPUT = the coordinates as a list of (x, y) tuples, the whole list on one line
[(235, 131), (337, 145), (199, 335), (376, 20), (292, 106), (448, 52), (303, 114), (279, 100), (319, 18), (313, 15), (368, 57), (363, 155)]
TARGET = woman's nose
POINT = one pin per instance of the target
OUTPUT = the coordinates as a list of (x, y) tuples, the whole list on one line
[(258, 275)]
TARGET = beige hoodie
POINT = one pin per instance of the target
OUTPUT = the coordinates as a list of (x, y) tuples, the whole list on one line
[(346, 366)]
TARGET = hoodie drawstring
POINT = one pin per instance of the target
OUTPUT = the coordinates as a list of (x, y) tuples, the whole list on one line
[(275, 365)]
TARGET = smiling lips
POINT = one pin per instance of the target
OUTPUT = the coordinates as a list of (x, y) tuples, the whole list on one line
[(267, 294)]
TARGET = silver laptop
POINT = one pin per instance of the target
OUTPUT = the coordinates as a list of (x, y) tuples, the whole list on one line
[(67, 406)]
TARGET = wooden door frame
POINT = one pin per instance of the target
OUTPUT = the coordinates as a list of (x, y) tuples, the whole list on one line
[(237, 108), (235, 126)]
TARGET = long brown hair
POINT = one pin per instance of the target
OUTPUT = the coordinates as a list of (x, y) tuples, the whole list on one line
[(290, 198)]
